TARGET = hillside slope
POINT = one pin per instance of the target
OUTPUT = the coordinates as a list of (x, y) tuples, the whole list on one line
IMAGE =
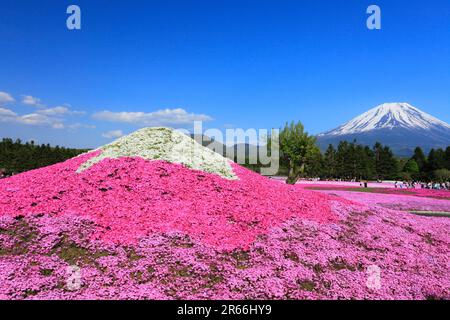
[(398, 125), (135, 224)]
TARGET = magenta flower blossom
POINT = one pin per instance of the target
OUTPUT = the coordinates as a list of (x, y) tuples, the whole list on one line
[(130, 228)]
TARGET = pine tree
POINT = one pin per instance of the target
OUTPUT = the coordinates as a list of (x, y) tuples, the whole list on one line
[(16, 156), (419, 157), (386, 165), (436, 160), (314, 163), (330, 162), (447, 158)]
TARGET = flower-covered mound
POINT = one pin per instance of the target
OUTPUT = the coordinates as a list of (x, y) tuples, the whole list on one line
[(130, 198), (141, 228), (299, 259), (164, 144)]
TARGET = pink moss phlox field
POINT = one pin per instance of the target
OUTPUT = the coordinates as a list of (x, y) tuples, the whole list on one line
[(344, 184), (131, 197), (299, 259), (375, 188), (438, 194), (142, 229), (394, 201)]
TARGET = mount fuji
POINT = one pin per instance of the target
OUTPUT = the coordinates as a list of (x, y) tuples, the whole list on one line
[(398, 125)]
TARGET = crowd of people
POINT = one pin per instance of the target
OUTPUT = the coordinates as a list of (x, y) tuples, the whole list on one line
[(436, 186), (422, 185)]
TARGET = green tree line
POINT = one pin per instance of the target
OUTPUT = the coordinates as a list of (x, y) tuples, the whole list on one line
[(302, 158), (16, 156)]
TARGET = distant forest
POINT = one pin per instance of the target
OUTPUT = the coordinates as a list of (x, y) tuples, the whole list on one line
[(17, 157), (352, 161), (347, 161)]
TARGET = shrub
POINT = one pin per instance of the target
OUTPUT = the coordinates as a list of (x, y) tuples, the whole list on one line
[(441, 175)]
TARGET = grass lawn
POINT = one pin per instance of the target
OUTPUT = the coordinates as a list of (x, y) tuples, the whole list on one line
[(432, 214)]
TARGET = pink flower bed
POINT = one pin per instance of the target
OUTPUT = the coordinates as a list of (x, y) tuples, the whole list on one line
[(131, 197), (299, 259), (374, 188), (152, 230), (394, 201), (426, 193), (438, 194), (326, 184)]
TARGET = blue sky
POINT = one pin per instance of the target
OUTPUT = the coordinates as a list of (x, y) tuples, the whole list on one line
[(246, 64)]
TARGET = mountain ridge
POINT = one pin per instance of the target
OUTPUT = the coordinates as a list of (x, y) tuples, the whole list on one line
[(401, 126)]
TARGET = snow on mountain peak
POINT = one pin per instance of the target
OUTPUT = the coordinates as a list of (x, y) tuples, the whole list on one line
[(390, 116)]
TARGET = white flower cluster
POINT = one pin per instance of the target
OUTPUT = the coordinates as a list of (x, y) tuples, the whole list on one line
[(168, 145)]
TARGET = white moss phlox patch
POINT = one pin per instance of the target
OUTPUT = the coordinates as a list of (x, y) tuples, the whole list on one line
[(168, 145)]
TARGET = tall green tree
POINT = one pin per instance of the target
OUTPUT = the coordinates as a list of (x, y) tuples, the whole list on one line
[(365, 168), (386, 165), (420, 158), (330, 162), (296, 147), (314, 166), (436, 160), (411, 167), (354, 161), (447, 158)]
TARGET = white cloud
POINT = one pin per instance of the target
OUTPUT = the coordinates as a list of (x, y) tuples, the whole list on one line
[(48, 117), (7, 113), (113, 134), (56, 111), (57, 125), (32, 101), (166, 117), (76, 126), (60, 111), (32, 119), (5, 98), (35, 119)]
